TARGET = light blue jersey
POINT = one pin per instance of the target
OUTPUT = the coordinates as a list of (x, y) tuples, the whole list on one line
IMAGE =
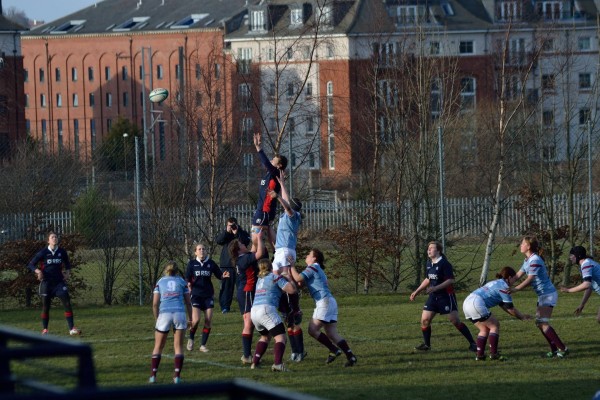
[(534, 265), (287, 230), (172, 290), (316, 281), (269, 290), (493, 293), (590, 270)]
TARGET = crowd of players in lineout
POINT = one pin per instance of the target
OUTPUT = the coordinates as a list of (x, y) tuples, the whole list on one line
[(267, 291)]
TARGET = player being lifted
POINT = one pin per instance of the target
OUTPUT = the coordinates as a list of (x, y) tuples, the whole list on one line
[(266, 206), (285, 256)]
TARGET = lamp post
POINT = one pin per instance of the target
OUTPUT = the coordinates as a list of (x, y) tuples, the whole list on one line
[(125, 136)]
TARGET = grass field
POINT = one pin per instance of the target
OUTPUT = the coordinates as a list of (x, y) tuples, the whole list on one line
[(381, 329)]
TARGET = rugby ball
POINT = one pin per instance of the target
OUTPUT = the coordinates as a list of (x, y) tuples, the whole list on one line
[(158, 95)]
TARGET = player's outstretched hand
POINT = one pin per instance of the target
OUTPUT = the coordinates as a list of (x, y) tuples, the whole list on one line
[(257, 140)]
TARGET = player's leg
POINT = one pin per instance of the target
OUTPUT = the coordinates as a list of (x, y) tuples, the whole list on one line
[(178, 339), (46, 301), (195, 322), (208, 313), (452, 305), (63, 295), (426, 318), (278, 332), (545, 307), (161, 331)]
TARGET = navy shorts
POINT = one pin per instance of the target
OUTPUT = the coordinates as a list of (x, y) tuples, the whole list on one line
[(245, 300), (203, 303), (262, 218), (53, 289), (441, 303)]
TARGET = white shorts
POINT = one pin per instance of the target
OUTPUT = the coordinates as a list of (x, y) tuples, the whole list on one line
[(475, 309), (265, 316), (280, 259), (166, 320), (548, 300), (326, 310)]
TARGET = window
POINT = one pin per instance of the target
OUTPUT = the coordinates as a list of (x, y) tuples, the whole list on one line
[(141, 72), (59, 128), (42, 74), (467, 93), (305, 52), (26, 75), (547, 118), (257, 20), (125, 99), (549, 152), (218, 98), (331, 149), (58, 100), (329, 88), (550, 10), (93, 134), (92, 100), (310, 123), (108, 99), (584, 116), (44, 132), (584, 43), (217, 71), (516, 52), (219, 131), (296, 16), (512, 87), (290, 53), (132, 23), (466, 47), (198, 98), (547, 82), (290, 89), (75, 100), (408, 15), (188, 21), (309, 89), (160, 73), (434, 48), (57, 74), (42, 100), (74, 74), (325, 15), (245, 97), (28, 127), (384, 53), (91, 74), (247, 130), (311, 160), (291, 124), (509, 11), (271, 90), (270, 54), (124, 73), (244, 59), (107, 73), (27, 100), (108, 124), (330, 51), (198, 71), (76, 136), (585, 80), (548, 45), (271, 124)]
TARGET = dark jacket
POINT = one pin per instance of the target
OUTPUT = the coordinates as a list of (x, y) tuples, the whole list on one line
[(224, 238)]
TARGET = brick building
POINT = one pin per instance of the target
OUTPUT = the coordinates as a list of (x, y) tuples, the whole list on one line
[(12, 102)]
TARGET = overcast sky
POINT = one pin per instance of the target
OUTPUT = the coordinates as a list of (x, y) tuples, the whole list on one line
[(47, 10)]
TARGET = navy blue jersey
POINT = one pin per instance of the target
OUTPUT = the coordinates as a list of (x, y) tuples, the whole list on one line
[(247, 272), (269, 182), (440, 272), (198, 274), (51, 263)]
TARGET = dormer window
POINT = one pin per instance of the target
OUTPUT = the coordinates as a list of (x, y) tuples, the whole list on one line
[(257, 21), (410, 15), (188, 21), (132, 23), (553, 10), (325, 16), (296, 16), (509, 11), (73, 25)]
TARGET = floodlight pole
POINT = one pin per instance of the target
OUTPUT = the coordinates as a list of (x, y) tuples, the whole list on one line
[(139, 218), (442, 210), (590, 193)]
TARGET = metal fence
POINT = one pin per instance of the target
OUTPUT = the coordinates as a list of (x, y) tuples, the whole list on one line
[(464, 216)]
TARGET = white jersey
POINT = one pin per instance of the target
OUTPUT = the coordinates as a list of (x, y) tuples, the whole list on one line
[(590, 271)]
